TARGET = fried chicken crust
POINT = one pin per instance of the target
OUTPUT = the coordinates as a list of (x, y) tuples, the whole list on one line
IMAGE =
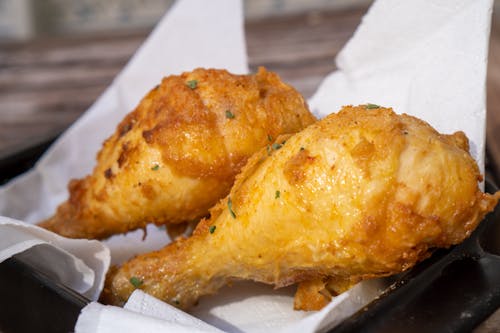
[(178, 152), (313, 295), (360, 194)]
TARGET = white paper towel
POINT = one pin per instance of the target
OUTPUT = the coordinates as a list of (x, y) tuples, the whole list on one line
[(241, 316), (426, 58), (423, 57), (142, 313), (79, 264)]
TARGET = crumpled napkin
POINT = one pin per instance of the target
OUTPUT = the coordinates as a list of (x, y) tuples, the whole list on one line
[(159, 316), (79, 264), (418, 57), (142, 313), (425, 58)]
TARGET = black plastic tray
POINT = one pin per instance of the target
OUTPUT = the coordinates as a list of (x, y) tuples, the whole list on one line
[(32, 302)]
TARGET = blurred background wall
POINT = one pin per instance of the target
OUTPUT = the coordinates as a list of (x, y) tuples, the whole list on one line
[(57, 56), (27, 19)]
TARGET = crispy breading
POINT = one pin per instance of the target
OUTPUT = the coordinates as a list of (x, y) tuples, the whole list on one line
[(313, 295), (360, 194), (178, 152)]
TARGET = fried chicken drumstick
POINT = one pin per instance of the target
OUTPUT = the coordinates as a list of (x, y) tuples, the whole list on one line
[(360, 194), (177, 153)]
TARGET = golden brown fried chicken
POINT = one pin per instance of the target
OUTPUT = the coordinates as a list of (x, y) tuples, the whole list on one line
[(360, 194), (178, 152)]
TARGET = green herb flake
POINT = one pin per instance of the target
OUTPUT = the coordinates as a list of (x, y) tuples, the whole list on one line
[(176, 302), (302, 148), (212, 229), (136, 282), (229, 114), (268, 148), (269, 138), (192, 84), (277, 194), (277, 146), (230, 207), (155, 167), (370, 106)]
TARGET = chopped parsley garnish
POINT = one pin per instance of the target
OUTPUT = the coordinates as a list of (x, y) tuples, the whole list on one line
[(268, 148), (212, 229), (192, 84), (229, 114), (269, 137), (277, 146), (136, 282), (230, 207), (277, 194), (372, 106), (155, 167), (302, 148)]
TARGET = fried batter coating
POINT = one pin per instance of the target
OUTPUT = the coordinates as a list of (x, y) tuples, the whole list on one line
[(178, 152), (360, 194), (315, 294)]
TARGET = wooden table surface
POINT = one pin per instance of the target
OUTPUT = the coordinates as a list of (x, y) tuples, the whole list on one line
[(46, 84)]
